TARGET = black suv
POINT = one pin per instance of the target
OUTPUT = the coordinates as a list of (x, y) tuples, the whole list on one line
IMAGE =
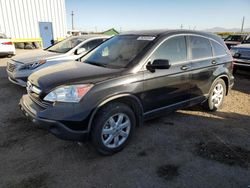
[(127, 79)]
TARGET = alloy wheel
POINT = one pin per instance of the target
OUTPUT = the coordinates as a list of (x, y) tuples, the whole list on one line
[(116, 130), (217, 95)]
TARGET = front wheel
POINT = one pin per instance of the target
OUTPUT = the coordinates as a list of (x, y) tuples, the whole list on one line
[(216, 96), (112, 128)]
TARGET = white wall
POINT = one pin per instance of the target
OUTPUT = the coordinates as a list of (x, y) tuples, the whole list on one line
[(19, 18)]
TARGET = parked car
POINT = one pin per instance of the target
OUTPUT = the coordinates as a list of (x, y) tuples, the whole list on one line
[(7, 48), (72, 48), (241, 55), (130, 78), (233, 40)]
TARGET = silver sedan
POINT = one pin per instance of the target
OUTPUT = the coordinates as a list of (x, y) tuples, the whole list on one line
[(21, 66)]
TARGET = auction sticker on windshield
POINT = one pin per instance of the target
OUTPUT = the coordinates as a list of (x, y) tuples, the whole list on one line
[(149, 38)]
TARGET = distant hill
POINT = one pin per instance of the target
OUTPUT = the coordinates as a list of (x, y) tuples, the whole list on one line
[(221, 29)]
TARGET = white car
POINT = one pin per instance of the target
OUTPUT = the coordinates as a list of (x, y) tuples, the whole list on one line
[(21, 66), (6, 46)]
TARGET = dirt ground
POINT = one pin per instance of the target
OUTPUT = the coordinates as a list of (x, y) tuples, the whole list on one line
[(187, 148)]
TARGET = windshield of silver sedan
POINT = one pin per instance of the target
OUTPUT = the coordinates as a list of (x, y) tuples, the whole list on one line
[(65, 45)]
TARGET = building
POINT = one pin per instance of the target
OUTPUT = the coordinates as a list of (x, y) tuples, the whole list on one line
[(41, 21), (111, 32)]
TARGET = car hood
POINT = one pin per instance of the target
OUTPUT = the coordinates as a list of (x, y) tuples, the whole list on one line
[(35, 55), (232, 42), (71, 72)]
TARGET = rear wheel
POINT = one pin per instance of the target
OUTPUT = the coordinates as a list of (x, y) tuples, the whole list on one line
[(216, 96), (112, 128)]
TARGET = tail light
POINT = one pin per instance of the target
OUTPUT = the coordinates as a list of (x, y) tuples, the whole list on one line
[(7, 43)]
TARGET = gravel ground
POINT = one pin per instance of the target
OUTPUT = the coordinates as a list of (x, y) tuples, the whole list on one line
[(187, 148)]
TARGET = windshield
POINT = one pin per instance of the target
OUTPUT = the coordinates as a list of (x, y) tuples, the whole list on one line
[(236, 38), (118, 52), (65, 45)]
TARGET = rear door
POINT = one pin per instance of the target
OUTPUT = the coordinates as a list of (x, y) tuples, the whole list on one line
[(167, 87), (203, 65)]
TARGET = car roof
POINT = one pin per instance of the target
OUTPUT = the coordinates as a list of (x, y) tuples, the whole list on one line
[(161, 32)]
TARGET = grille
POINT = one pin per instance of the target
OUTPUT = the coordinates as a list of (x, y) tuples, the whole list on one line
[(11, 67), (36, 99)]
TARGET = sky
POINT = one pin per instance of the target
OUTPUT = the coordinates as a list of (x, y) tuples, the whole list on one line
[(100, 15)]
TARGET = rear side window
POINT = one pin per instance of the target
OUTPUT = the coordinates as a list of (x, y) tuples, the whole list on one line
[(200, 47), (173, 49), (218, 49)]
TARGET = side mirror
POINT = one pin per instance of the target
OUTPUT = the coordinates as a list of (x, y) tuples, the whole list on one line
[(80, 51), (158, 64), (236, 55)]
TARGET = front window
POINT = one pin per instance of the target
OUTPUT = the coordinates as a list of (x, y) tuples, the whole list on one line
[(118, 52), (235, 38), (174, 50), (65, 45)]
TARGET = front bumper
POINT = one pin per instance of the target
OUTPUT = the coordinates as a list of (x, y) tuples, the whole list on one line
[(242, 62), (15, 75), (31, 110), (20, 82)]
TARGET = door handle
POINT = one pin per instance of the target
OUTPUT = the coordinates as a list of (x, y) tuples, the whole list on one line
[(184, 67), (214, 62)]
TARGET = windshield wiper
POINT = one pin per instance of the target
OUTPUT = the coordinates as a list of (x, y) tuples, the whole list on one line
[(97, 64), (52, 51)]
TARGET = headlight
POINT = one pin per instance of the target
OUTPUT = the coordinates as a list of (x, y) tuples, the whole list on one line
[(71, 93), (34, 65), (233, 51)]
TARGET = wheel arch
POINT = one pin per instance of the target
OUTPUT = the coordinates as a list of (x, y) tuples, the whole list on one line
[(126, 98)]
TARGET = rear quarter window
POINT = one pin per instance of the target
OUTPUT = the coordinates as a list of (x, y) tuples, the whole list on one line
[(200, 47), (218, 49)]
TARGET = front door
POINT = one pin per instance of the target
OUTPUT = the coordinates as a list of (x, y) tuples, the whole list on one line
[(168, 87), (46, 33)]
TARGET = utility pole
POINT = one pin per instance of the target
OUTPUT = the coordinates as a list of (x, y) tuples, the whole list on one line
[(181, 26), (72, 14), (242, 24)]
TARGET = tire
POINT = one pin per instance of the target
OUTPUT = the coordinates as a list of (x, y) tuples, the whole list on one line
[(107, 121), (215, 101)]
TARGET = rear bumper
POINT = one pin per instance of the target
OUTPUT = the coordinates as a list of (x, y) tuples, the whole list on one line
[(29, 109), (7, 53)]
